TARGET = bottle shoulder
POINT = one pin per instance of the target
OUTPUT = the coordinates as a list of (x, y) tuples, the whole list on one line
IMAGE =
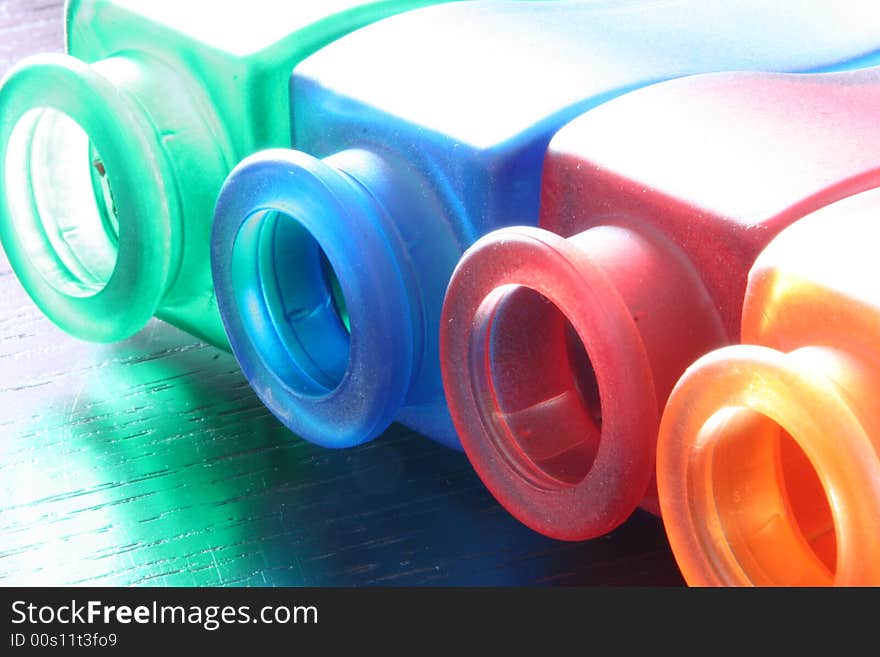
[(747, 149), (816, 282), (486, 72), (257, 28)]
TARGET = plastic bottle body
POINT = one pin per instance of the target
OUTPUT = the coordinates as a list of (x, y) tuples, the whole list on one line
[(769, 453), (658, 241), (113, 154), (468, 119)]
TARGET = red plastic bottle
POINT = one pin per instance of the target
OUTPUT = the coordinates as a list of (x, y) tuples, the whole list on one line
[(561, 344)]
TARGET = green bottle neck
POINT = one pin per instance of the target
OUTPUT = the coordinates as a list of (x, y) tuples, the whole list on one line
[(98, 169)]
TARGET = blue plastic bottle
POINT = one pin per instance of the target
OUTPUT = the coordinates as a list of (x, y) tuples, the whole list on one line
[(422, 132)]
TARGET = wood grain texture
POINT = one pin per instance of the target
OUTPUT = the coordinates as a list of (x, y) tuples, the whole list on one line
[(152, 462)]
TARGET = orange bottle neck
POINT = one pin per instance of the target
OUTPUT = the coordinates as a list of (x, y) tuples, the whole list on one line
[(767, 469)]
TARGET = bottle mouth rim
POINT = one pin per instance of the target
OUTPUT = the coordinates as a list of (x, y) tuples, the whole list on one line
[(339, 218), (624, 464), (813, 414), (147, 221)]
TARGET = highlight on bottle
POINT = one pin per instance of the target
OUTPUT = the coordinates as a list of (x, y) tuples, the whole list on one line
[(86, 227)]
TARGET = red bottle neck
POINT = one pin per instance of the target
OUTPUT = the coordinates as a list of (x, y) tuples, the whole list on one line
[(558, 356)]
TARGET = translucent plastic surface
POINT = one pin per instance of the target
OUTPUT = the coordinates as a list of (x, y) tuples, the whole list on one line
[(769, 456), (654, 208), (112, 155), (417, 135)]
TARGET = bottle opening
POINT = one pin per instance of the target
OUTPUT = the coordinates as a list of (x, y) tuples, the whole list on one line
[(543, 390), (291, 302), (767, 500), (336, 293), (60, 197)]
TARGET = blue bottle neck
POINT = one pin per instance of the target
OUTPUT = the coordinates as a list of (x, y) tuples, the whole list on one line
[(317, 290)]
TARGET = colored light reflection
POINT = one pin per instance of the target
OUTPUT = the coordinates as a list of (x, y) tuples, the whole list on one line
[(152, 462)]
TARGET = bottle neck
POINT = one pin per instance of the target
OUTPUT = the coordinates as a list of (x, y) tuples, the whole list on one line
[(315, 291), (557, 355), (92, 211), (675, 316), (767, 471)]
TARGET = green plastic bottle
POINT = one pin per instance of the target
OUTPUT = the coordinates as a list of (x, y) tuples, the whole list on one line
[(112, 155)]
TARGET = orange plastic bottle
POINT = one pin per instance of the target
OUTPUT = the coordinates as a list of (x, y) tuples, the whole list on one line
[(768, 464)]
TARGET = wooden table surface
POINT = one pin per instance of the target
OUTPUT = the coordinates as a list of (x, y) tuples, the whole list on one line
[(152, 462)]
